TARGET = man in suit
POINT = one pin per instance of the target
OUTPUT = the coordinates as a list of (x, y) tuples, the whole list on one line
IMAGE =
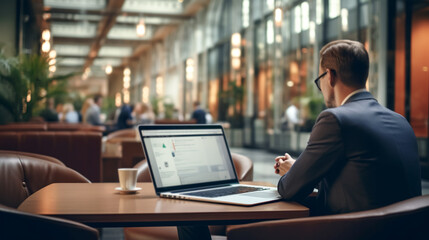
[(360, 154)]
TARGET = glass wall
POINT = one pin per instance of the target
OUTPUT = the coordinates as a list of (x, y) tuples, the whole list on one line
[(254, 61)]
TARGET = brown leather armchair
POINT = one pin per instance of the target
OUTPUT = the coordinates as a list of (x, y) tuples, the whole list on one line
[(20, 225), (403, 220), (22, 174), (244, 169)]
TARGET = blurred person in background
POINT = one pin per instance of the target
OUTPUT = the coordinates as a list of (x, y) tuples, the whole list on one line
[(199, 114), (143, 114), (86, 105), (69, 115), (93, 114), (125, 118), (49, 114)]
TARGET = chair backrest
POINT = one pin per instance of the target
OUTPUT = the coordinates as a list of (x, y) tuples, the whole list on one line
[(20, 225), (22, 174), (243, 166), (407, 219), (34, 155)]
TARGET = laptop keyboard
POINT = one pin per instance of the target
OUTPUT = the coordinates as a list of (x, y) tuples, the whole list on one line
[(224, 191)]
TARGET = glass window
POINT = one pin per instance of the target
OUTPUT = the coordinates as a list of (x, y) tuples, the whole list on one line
[(334, 8), (349, 4), (270, 32), (270, 5), (305, 11), (319, 11), (245, 10), (297, 19)]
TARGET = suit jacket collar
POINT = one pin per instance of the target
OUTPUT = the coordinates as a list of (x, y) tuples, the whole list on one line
[(360, 96)]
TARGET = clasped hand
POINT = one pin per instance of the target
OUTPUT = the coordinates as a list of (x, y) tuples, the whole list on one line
[(283, 164)]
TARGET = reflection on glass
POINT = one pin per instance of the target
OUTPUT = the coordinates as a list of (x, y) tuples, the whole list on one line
[(334, 8), (312, 32), (245, 9), (297, 19), (270, 32), (319, 11), (344, 20), (305, 15)]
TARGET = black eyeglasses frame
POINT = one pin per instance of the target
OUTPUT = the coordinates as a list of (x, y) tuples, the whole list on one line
[(317, 80)]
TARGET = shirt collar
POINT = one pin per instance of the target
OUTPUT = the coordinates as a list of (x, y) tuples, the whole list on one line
[(353, 93)]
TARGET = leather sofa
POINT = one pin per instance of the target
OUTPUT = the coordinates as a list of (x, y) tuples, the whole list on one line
[(22, 174), (244, 169), (407, 219), (79, 150), (31, 126)]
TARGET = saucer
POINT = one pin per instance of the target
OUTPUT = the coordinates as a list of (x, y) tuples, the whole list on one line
[(129, 191)]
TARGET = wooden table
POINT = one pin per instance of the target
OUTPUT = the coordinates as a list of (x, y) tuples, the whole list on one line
[(99, 205)]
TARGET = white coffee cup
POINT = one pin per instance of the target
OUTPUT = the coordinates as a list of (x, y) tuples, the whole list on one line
[(127, 178)]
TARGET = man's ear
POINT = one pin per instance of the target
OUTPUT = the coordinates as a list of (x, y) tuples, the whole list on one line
[(332, 77)]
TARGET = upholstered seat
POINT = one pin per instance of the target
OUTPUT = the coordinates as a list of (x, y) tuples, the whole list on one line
[(244, 170), (403, 220), (22, 174)]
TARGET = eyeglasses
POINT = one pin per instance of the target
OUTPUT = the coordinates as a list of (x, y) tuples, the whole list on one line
[(317, 80)]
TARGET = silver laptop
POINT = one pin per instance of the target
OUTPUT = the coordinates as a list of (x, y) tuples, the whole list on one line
[(193, 162)]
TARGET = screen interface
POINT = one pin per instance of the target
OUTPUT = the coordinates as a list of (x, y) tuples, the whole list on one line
[(187, 156)]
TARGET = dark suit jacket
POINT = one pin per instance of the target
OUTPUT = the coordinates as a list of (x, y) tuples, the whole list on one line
[(361, 154)]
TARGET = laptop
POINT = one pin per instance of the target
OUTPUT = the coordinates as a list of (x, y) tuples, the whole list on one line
[(193, 162)]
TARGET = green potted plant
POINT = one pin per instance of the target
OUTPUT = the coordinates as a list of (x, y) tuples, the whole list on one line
[(25, 81)]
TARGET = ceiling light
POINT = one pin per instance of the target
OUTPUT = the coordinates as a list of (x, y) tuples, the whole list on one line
[(236, 40), (118, 100), (108, 69), (235, 52), (46, 35), (127, 71), (141, 28), (46, 16), (46, 46), (236, 63), (126, 96), (52, 54)]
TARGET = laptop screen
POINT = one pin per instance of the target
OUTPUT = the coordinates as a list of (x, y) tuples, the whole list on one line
[(187, 155)]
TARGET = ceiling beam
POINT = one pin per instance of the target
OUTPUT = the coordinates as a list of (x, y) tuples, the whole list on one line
[(114, 12), (107, 42), (103, 28), (125, 24), (191, 9)]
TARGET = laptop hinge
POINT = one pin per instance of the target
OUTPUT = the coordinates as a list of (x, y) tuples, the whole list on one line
[(202, 188)]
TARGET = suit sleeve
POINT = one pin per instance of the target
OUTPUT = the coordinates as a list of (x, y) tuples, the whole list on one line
[(324, 152)]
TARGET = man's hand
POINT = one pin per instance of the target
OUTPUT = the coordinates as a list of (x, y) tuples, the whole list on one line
[(283, 164)]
